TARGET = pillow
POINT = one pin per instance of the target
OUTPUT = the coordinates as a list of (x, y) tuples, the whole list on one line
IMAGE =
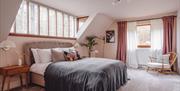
[(57, 55), (35, 55), (71, 55), (44, 55), (166, 58)]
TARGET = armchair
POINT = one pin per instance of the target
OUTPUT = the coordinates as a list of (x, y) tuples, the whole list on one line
[(162, 66)]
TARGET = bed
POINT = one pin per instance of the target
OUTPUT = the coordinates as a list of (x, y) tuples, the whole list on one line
[(37, 77), (89, 74)]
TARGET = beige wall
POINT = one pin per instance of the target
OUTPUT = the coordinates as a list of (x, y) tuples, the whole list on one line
[(110, 49), (8, 11), (10, 58)]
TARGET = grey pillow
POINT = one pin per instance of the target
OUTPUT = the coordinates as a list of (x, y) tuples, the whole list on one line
[(57, 55)]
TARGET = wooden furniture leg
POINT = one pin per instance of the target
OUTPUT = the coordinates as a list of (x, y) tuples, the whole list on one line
[(9, 81), (10, 71), (20, 76), (3, 82), (27, 79)]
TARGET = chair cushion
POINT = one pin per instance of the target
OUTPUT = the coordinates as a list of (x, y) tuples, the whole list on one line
[(157, 65)]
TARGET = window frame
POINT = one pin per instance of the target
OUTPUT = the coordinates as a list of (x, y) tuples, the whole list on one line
[(14, 33), (144, 46), (78, 20)]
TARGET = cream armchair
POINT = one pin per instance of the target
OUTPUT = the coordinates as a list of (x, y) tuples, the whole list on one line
[(162, 66)]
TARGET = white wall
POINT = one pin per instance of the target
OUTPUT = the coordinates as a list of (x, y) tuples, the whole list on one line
[(8, 11)]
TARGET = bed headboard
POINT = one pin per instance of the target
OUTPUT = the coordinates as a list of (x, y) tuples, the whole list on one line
[(29, 59)]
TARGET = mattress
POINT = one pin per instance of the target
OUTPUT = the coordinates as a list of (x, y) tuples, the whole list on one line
[(39, 68)]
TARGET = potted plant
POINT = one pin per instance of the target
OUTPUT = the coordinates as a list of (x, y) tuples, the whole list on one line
[(90, 43)]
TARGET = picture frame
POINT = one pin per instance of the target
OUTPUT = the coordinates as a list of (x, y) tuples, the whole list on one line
[(110, 36)]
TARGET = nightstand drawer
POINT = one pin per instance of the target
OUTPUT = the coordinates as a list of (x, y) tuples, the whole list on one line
[(17, 71)]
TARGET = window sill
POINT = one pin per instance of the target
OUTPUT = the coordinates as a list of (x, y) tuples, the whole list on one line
[(144, 46), (40, 36)]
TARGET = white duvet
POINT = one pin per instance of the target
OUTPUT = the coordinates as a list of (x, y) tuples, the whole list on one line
[(39, 68)]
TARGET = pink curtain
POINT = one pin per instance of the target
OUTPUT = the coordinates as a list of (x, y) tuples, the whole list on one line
[(169, 40), (122, 41)]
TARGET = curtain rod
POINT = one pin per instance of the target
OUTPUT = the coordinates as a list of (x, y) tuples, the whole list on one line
[(147, 19), (143, 20)]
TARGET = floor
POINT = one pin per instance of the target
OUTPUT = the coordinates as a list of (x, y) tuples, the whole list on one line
[(141, 81), (151, 81)]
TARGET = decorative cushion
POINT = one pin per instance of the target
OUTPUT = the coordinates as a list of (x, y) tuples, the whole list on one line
[(57, 55), (71, 55), (44, 55)]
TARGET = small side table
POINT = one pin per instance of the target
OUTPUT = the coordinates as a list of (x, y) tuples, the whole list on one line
[(10, 71)]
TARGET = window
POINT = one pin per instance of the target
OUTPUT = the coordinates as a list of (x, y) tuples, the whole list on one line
[(43, 21), (144, 36), (72, 27), (81, 21), (66, 25), (35, 19), (59, 24), (52, 23), (12, 29), (21, 19)]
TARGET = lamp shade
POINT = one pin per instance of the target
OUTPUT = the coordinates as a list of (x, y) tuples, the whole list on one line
[(7, 44)]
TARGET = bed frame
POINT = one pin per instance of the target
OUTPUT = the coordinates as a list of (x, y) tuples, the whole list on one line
[(29, 59)]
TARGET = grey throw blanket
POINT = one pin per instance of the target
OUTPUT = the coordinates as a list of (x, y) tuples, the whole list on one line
[(90, 74)]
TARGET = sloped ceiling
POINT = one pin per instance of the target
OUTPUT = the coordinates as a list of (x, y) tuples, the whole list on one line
[(8, 11), (126, 9), (96, 27)]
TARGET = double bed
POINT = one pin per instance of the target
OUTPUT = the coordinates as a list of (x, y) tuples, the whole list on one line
[(88, 74)]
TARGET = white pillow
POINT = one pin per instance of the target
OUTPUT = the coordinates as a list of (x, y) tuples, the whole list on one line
[(35, 55), (44, 55), (166, 58)]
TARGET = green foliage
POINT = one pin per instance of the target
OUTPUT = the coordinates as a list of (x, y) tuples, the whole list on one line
[(90, 43)]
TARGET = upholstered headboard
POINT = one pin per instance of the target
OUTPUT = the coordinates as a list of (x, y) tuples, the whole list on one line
[(29, 59)]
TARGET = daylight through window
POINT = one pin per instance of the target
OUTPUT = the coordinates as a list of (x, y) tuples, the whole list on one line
[(40, 20), (144, 36)]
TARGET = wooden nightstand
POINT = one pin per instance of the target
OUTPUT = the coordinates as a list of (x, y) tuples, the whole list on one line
[(10, 71)]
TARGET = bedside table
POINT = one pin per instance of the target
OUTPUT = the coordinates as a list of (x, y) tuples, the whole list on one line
[(10, 71)]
